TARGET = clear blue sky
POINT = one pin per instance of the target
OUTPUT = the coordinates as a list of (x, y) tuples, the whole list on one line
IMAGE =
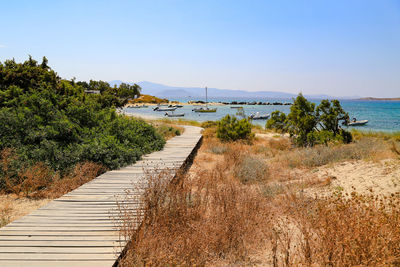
[(341, 48)]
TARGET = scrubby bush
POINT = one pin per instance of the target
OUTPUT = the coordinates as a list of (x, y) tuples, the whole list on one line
[(309, 125), (251, 169), (46, 119), (231, 129)]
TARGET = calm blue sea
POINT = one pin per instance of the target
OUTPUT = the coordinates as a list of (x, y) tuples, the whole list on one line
[(382, 115)]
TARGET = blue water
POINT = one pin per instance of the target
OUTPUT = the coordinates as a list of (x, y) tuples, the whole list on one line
[(381, 115)]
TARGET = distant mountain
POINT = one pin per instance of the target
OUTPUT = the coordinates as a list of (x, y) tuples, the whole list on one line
[(161, 90)]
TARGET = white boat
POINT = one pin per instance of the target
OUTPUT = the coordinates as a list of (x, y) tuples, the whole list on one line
[(139, 106), (205, 109), (172, 115), (164, 109), (258, 116), (357, 123)]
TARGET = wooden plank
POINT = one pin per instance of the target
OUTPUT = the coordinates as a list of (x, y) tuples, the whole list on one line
[(80, 228), (58, 263)]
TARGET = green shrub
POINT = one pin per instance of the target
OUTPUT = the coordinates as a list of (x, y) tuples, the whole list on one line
[(231, 129), (44, 118)]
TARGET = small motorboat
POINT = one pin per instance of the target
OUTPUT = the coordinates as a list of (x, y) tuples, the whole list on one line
[(357, 123), (236, 107), (175, 106), (164, 109), (172, 115), (204, 110), (258, 116), (139, 106)]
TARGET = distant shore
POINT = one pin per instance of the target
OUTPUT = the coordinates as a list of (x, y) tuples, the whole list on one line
[(381, 98)]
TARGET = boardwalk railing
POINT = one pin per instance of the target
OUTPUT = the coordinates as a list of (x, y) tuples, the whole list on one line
[(77, 229)]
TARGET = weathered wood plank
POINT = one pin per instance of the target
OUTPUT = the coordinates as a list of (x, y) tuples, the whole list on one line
[(79, 229)]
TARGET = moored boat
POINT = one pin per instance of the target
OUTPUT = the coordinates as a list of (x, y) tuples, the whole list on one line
[(172, 115), (205, 109), (357, 123), (258, 116), (164, 109)]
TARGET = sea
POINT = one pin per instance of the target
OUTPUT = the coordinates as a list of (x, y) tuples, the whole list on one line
[(382, 116)]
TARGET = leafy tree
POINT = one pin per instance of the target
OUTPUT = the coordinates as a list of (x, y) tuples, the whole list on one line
[(330, 114), (302, 120), (309, 125), (129, 91), (231, 129), (277, 121)]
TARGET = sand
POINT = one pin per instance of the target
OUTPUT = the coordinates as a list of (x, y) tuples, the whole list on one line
[(13, 207), (363, 177)]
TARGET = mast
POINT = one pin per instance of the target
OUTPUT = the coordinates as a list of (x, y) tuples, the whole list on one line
[(206, 98)]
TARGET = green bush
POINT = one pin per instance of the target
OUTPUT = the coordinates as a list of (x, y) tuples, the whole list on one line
[(309, 125), (44, 118), (231, 129)]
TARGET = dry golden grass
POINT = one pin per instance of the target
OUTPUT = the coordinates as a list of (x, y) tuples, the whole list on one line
[(195, 222), (13, 207), (39, 181), (215, 216), (168, 130)]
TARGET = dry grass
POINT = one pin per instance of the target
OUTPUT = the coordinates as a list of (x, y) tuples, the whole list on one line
[(5, 212), (196, 221), (13, 207), (39, 181), (167, 130), (244, 204), (82, 173), (369, 148), (338, 231), (178, 121), (26, 188)]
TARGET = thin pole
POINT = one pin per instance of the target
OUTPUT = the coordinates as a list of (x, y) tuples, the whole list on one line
[(206, 98)]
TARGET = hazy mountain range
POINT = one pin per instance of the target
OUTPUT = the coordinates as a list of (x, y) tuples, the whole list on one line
[(161, 90)]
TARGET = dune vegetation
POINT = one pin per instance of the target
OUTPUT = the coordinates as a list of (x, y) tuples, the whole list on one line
[(267, 201), (54, 130)]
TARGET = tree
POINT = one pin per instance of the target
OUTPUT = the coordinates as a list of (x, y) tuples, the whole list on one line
[(128, 91), (277, 121), (308, 125), (302, 120), (330, 114)]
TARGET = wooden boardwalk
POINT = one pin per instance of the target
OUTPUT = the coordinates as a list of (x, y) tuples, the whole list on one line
[(77, 229)]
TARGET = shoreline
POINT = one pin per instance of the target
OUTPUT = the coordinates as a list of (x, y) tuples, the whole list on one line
[(155, 117)]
